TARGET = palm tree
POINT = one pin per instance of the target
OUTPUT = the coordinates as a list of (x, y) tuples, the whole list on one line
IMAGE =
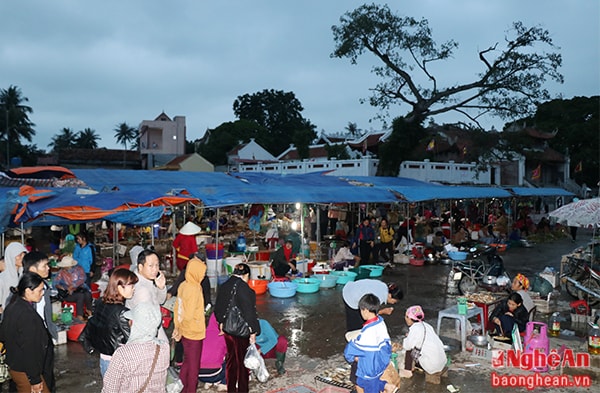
[(87, 139), (15, 120), (125, 134), (64, 140)]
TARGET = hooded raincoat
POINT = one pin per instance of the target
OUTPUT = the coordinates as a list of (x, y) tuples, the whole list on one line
[(10, 276), (189, 308)]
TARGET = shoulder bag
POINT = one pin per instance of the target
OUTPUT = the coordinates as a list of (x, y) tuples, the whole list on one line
[(235, 325), (415, 353), (151, 369)]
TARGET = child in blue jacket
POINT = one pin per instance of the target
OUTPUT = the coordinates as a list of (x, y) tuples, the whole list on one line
[(371, 349)]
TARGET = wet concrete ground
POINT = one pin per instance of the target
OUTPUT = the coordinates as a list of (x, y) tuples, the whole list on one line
[(315, 323)]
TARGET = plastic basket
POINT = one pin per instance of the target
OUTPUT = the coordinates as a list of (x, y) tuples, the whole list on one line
[(259, 286), (458, 255)]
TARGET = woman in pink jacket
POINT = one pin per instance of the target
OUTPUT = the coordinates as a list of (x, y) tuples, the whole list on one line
[(212, 361)]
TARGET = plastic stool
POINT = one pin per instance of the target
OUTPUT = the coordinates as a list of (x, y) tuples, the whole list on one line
[(461, 321), (276, 278)]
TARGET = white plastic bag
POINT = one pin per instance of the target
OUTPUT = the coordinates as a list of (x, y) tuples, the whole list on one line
[(254, 362), (173, 383)]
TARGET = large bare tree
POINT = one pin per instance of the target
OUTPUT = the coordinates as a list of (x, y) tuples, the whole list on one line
[(511, 81)]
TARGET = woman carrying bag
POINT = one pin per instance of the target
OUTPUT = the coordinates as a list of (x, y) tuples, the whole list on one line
[(25, 336), (235, 310)]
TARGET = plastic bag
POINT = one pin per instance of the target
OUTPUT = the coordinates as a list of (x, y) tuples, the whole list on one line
[(255, 363), (173, 383)]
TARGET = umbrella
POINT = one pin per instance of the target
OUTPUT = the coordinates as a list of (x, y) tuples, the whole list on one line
[(585, 212)]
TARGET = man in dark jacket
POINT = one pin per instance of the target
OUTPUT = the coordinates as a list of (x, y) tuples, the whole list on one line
[(37, 262), (283, 261), (364, 239)]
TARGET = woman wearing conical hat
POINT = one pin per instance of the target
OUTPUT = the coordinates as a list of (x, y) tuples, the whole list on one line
[(185, 244)]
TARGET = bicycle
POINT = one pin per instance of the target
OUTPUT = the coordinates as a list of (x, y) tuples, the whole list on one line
[(470, 272)]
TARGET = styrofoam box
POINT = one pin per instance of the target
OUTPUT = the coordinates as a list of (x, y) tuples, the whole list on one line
[(551, 277), (62, 338), (302, 265)]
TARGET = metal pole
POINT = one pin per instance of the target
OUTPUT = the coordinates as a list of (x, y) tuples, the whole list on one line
[(318, 237), (7, 137)]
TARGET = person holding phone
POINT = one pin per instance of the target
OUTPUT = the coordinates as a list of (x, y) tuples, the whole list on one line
[(152, 285)]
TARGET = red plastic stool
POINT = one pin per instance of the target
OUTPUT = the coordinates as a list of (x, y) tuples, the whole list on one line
[(276, 278)]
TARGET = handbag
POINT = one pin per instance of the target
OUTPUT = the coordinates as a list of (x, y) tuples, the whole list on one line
[(235, 324), (4, 370)]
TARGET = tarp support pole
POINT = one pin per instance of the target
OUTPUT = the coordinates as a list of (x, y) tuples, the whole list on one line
[(318, 224), (217, 237), (115, 243)]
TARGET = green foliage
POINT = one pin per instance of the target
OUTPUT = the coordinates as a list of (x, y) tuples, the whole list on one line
[(125, 134), (353, 130), (228, 135), (190, 147), (279, 113), (28, 153), (577, 124), (399, 147), (302, 138), (63, 140), (87, 139), (14, 120), (337, 151)]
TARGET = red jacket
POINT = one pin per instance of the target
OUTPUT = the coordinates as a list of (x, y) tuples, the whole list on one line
[(184, 245)]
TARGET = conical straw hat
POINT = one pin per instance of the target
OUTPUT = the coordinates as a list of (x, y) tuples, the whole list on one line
[(190, 229)]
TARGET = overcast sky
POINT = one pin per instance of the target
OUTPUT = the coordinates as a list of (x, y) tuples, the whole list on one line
[(99, 63)]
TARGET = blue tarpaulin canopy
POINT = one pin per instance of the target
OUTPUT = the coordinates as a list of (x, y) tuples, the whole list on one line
[(221, 189), (136, 187), (529, 191)]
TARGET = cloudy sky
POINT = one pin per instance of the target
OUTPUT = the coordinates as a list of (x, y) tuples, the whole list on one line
[(99, 63)]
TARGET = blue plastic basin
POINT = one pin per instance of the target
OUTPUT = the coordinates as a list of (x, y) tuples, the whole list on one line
[(344, 276), (282, 288), (307, 285), (374, 270), (326, 280)]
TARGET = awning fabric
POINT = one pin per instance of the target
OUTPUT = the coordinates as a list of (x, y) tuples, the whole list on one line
[(119, 191), (529, 191)]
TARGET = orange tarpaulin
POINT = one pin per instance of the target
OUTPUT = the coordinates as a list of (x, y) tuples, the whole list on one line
[(78, 213), (42, 172), (32, 195)]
